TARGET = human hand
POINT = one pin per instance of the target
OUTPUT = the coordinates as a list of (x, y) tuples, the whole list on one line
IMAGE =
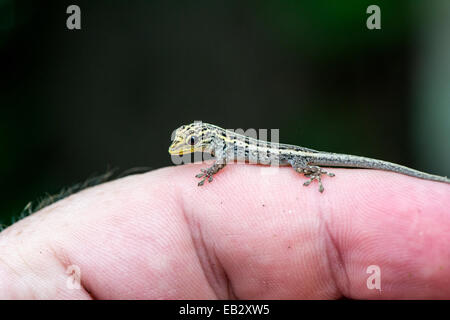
[(249, 234)]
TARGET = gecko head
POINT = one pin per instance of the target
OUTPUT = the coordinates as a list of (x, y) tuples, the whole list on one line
[(194, 137)]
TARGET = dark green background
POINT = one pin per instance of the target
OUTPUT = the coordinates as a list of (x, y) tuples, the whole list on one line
[(75, 103)]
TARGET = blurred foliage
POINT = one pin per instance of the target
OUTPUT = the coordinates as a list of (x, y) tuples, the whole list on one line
[(326, 27), (6, 15), (6, 19)]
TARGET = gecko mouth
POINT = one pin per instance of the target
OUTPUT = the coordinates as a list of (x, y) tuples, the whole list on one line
[(178, 148)]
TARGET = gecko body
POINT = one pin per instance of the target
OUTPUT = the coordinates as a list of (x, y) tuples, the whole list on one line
[(227, 146)]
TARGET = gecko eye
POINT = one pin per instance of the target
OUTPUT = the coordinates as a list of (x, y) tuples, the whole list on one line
[(192, 140)]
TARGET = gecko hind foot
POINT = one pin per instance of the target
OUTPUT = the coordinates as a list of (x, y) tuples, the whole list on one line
[(315, 173), (311, 179)]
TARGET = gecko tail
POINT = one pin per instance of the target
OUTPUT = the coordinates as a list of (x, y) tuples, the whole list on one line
[(343, 160)]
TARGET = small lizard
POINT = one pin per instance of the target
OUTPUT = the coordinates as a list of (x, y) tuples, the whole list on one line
[(227, 146)]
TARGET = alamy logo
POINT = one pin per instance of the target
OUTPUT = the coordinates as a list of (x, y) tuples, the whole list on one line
[(374, 20), (374, 280), (73, 22), (74, 277)]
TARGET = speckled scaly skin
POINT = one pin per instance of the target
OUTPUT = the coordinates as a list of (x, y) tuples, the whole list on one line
[(227, 146)]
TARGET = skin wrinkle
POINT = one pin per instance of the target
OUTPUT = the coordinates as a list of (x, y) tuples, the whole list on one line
[(332, 249), (180, 199), (24, 261), (215, 285), (207, 259), (216, 269), (229, 285), (316, 232), (257, 204), (9, 267), (19, 247), (202, 261), (64, 261)]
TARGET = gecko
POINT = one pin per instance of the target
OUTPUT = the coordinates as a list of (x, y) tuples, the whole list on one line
[(226, 146)]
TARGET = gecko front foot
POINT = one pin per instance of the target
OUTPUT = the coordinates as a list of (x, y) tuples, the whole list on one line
[(205, 174), (208, 173), (314, 173)]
